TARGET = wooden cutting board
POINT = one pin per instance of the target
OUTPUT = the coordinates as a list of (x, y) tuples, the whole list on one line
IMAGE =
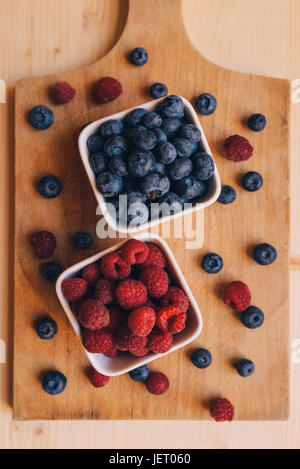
[(229, 230)]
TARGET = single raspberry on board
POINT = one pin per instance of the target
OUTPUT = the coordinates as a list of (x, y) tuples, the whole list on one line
[(161, 342), (176, 297), (62, 92), (156, 281), (112, 352), (114, 267), (122, 338), (131, 294), (116, 319), (44, 244), (157, 383), (237, 295), (155, 257), (141, 321), (107, 89), (97, 341), (93, 314), (91, 273), (222, 410), (169, 319), (134, 251), (138, 346), (97, 379), (105, 290), (237, 148), (74, 288)]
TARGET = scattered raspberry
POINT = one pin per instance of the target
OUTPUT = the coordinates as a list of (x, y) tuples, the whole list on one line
[(237, 295), (91, 273), (222, 410), (131, 294), (169, 319), (137, 346), (134, 251), (74, 288), (141, 321), (157, 383), (156, 281), (237, 148), (114, 267), (122, 338), (112, 352), (175, 296), (105, 290), (93, 314), (97, 379), (97, 341), (107, 89), (116, 319), (155, 257), (62, 93), (44, 244), (161, 342)]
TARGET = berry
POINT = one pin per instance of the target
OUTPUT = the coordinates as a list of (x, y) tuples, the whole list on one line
[(165, 152), (170, 125), (107, 89), (252, 181), (122, 338), (131, 294), (176, 297), (76, 305), (180, 168), (206, 104), (138, 213), (134, 117), (264, 254), (245, 367), (116, 146), (156, 281), (117, 165), (49, 186), (152, 120), (94, 143), (143, 139), (190, 187), (155, 185), (172, 106), (227, 195), (151, 305), (54, 382), (184, 147), (109, 184), (212, 263), (97, 379), (105, 290), (91, 273), (44, 244), (170, 203), (155, 257), (62, 93), (50, 271), (157, 383), (201, 358), (257, 122), (160, 342), (41, 117), (116, 319), (83, 240), (237, 295), (237, 148), (74, 288), (97, 341), (138, 346), (112, 352), (252, 317), (204, 166), (190, 132), (166, 319), (222, 410), (46, 328), (134, 251), (140, 163), (93, 314), (140, 374), (158, 90), (138, 56), (161, 135), (111, 128), (98, 162), (114, 267), (141, 320)]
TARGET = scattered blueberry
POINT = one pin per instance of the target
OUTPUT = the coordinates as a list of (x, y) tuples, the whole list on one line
[(140, 163), (203, 165), (257, 122), (49, 186), (155, 185), (190, 187), (190, 132), (46, 328), (143, 139), (252, 181), (245, 367), (98, 162), (171, 125), (54, 382), (174, 204), (134, 117), (172, 106), (212, 263), (116, 146), (206, 104), (108, 184), (51, 271), (180, 168), (252, 317), (264, 254), (184, 147), (111, 128), (117, 165), (138, 56), (165, 152), (228, 195), (94, 143), (83, 240), (152, 120), (158, 90), (41, 117), (140, 374), (161, 135), (201, 358)]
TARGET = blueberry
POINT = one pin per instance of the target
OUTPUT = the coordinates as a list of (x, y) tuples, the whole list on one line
[(138, 214), (98, 162), (158, 90), (206, 104), (138, 56), (190, 187), (155, 185), (41, 117), (94, 143), (252, 317), (46, 328), (161, 135), (257, 122), (111, 128), (140, 163), (83, 240), (143, 139), (201, 358), (152, 120), (190, 132), (116, 146), (184, 147), (140, 374), (245, 367), (159, 168), (54, 382), (171, 125), (134, 197), (108, 184), (50, 271), (134, 117), (118, 166), (165, 152), (227, 196), (180, 168), (172, 106), (203, 166), (264, 254), (252, 181), (173, 201), (49, 186), (212, 263)]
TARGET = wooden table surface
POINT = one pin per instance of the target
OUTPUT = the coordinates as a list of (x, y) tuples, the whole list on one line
[(42, 37)]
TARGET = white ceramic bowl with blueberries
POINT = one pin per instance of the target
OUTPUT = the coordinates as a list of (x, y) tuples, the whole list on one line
[(156, 157)]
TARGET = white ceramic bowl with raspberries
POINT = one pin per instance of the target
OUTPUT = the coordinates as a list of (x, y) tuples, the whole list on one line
[(123, 225), (125, 361)]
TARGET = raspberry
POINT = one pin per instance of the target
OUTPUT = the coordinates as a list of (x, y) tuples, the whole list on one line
[(74, 288), (169, 319), (155, 257), (97, 379), (137, 346), (97, 341), (122, 338), (134, 251), (116, 319), (44, 244), (156, 281), (237, 295), (175, 296), (157, 383), (105, 290), (107, 89), (76, 305), (151, 305), (237, 148), (177, 323), (141, 321), (222, 410), (112, 352), (161, 342), (114, 267), (131, 294), (91, 273), (93, 314), (62, 93)]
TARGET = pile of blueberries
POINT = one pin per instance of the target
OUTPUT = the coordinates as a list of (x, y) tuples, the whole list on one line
[(151, 157)]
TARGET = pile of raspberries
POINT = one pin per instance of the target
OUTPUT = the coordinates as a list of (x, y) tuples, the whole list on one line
[(126, 302)]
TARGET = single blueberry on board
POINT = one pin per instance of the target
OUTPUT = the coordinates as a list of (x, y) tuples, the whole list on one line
[(245, 367), (252, 317), (46, 328), (227, 196), (212, 263), (158, 90), (138, 56), (264, 254), (206, 104), (257, 122), (49, 186), (140, 374), (201, 358), (54, 382), (83, 240), (252, 181), (50, 271), (41, 117)]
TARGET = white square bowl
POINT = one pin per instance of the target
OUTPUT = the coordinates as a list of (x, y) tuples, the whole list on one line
[(208, 199), (126, 362)]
